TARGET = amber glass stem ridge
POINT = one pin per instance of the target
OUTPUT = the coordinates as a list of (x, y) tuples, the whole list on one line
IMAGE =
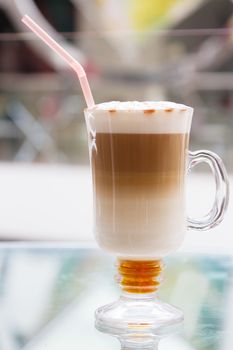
[(139, 276)]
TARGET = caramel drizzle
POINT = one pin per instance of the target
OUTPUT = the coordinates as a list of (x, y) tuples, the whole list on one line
[(149, 111), (139, 276)]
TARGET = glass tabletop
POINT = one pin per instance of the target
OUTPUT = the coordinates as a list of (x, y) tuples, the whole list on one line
[(49, 295)]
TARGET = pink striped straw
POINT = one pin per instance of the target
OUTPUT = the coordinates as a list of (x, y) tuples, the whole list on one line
[(75, 65)]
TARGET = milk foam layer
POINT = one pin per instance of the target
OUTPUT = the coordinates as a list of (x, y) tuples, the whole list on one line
[(152, 232), (140, 117)]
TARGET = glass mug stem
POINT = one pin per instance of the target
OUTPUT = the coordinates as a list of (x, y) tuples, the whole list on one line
[(220, 204)]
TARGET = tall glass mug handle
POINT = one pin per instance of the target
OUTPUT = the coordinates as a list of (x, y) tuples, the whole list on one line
[(216, 214)]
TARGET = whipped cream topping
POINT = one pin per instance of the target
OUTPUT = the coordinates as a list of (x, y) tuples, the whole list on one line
[(137, 106), (139, 117)]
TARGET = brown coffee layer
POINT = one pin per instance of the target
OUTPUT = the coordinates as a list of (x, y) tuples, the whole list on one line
[(123, 163)]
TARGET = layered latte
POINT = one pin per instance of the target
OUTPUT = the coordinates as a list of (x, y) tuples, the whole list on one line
[(138, 156)]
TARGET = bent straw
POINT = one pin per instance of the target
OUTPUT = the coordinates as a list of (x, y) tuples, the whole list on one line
[(75, 65)]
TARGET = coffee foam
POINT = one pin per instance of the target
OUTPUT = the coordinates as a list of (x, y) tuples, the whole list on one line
[(148, 117), (138, 105)]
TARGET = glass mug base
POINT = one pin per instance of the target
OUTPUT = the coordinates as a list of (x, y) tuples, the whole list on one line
[(138, 318), (145, 315)]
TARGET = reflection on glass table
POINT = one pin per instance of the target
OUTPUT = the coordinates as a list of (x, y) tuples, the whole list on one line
[(49, 295)]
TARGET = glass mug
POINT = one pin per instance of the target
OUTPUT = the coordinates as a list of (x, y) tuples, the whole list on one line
[(139, 159)]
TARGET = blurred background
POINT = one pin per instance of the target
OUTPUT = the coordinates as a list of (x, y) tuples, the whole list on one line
[(179, 50)]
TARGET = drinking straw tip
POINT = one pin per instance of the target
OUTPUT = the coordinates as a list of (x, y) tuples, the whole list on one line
[(24, 18), (44, 36)]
